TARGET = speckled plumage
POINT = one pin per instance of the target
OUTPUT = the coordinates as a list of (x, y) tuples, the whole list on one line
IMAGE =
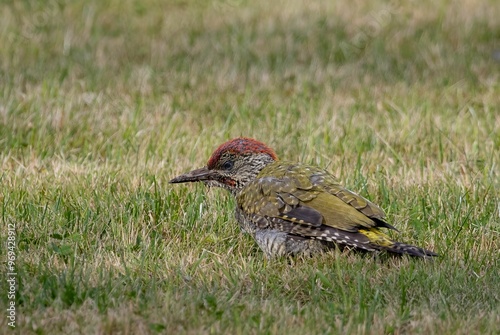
[(293, 208)]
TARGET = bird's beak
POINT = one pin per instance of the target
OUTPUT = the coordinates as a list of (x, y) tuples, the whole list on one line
[(202, 174)]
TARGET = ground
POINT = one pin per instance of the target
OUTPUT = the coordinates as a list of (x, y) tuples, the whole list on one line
[(103, 102)]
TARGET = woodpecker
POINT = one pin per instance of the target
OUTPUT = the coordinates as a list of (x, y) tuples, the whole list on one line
[(293, 208)]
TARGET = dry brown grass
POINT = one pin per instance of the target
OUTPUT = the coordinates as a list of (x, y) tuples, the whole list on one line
[(103, 102)]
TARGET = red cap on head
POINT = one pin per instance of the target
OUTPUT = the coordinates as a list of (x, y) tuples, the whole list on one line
[(240, 145)]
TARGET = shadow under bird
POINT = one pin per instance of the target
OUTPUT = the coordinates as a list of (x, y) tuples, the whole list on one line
[(293, 208)]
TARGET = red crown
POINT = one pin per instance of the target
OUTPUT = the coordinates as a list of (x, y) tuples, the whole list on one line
[(242, 146)]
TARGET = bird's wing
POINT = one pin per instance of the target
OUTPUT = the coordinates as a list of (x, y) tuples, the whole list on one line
[(302, 198), (329, 184)]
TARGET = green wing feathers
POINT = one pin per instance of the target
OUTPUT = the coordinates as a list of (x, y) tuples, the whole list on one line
[(307, 201), (297, 192)]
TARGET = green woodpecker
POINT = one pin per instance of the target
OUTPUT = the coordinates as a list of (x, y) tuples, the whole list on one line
[(293, 208)]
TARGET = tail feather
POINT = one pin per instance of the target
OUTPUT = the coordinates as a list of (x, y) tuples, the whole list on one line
[(381, 241), (403, 248), (367, 239)]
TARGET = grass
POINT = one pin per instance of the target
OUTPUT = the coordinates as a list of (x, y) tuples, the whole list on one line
[(102, 102)]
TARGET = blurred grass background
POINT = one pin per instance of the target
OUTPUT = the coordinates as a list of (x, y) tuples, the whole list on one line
[(102, 102)]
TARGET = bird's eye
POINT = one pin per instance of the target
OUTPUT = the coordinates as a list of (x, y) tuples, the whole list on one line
[(228, 165)]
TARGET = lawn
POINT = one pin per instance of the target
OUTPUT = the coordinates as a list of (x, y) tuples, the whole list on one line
[(103, 102)]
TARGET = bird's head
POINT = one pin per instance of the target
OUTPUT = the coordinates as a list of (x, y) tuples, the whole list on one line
[(232, 165)]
